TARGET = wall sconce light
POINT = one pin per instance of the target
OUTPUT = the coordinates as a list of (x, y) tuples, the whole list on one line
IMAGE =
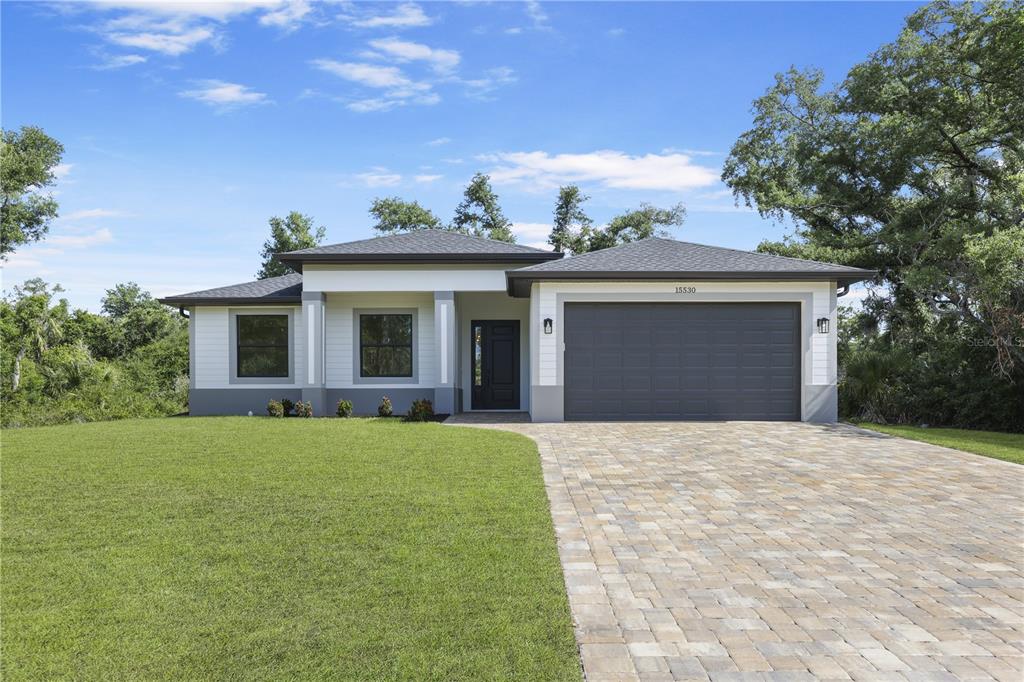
[(823, 325), (548, 325)]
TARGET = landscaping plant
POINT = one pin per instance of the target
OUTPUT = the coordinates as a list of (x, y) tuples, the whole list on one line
[(287, 405), (304, 409), (344, 408), (384, 409), (420, 411), (275, 408)]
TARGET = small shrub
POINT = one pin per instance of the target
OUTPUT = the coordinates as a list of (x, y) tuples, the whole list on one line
[(287, 405), (275, 408), (304, 409), (344, 408), (384, 409), (421, 411)]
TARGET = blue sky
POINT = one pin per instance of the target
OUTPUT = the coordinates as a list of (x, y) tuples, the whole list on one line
[(187, 125)]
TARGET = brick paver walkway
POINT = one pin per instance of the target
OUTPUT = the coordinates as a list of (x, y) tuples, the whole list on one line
[(785, 552)]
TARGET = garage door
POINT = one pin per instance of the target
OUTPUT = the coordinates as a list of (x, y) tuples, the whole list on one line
[(699, 361)]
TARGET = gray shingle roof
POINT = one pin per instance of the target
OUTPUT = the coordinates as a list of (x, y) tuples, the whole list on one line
[(419, 245), (284, 289), (659, 258)]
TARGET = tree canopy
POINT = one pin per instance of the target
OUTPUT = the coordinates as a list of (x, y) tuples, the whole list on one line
[(573, 230), (912, 165), (480, 214), (28, 160), (64, 365), (393, 214), (571, 226), (296, 231)]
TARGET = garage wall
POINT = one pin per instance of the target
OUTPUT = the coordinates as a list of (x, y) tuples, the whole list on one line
[(819, 397)]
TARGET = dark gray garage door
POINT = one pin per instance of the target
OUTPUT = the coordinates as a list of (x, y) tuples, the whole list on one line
[(701, 361)]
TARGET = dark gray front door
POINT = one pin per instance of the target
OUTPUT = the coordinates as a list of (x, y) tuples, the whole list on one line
[(495, 351), (697, 361)]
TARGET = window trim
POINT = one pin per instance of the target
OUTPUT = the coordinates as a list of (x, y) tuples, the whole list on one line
[(357, 346), (233, 377)]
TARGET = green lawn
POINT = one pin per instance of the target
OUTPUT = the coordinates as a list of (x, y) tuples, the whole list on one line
[(251, 548), (1008, 446)]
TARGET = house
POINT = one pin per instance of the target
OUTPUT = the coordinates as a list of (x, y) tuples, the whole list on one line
[(653, 329)]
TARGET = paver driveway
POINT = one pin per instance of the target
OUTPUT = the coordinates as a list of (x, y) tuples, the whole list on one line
[(785, 551)]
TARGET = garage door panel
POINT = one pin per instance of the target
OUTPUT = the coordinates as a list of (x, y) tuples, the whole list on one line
[(682, 361)]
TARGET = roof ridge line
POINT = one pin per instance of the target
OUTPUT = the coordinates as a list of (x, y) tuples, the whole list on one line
[(758, 253)]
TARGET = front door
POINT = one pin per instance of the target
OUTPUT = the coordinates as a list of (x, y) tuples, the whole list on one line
[(495, 350)]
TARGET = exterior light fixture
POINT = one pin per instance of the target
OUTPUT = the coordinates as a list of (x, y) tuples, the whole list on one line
[(548, 325), (823, 325)]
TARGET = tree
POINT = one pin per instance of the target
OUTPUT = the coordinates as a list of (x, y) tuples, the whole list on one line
[(33, 323), (479, 213), (631, 226), (137, 318), (289, 234), (28, 159), (572, 226), (912, 165), (395, 215)]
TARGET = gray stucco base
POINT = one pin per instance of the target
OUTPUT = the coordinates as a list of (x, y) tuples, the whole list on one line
[(366, 400), (821, 404), (547, 403), (444, 400), (317, 397), (239, 401)]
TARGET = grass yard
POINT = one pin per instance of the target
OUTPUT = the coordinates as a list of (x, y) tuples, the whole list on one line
[(252, 548), (1007, 446)]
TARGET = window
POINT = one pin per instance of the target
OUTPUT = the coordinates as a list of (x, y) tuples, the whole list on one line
[(478, 355), (262, 346), (385, 345)]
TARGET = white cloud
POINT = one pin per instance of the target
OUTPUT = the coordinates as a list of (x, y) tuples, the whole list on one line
[(609, 168), (172, 44), (406, 15), (363, 106), (79, 241), (453, 161), (379, 177), (690, 152), (481, 88), (514, 31), (173, 27), (532, 234), (61, 170), (440, 60), (88, 213), (370, 75), (428, 178), (223, 95), (399, 89), (616, 32), (120, 62), (537, 15), (288, 16), (219, 11), (437, 142)]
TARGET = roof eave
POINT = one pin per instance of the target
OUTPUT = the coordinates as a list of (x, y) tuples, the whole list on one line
[(178, 301), (297, 260), (518, 281)]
